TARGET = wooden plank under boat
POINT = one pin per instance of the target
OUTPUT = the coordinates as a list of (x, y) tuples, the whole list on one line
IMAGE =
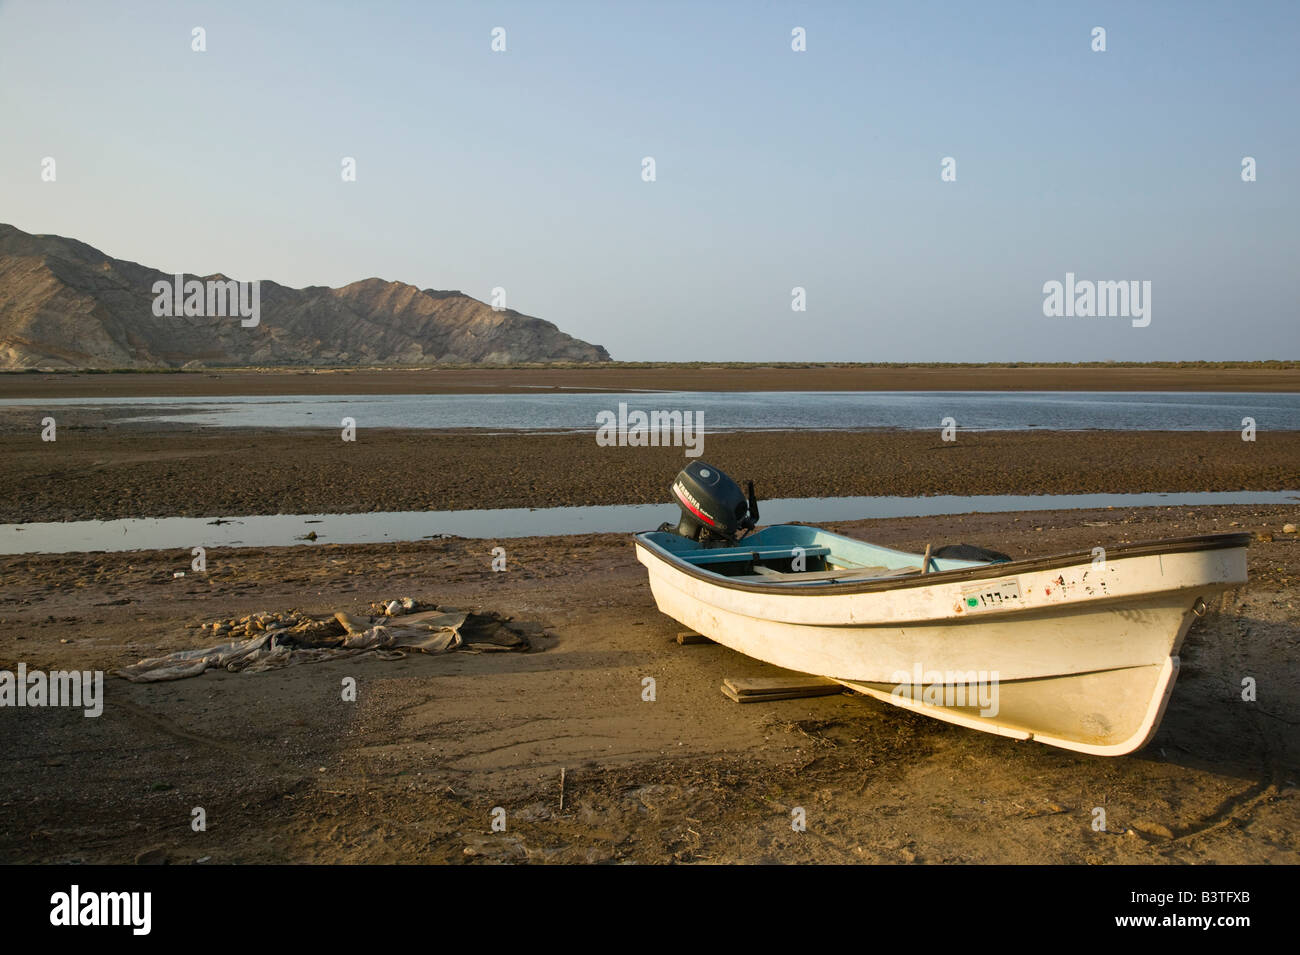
[(1073, 650)]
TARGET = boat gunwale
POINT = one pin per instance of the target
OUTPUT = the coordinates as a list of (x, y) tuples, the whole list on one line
[(1177, 545)]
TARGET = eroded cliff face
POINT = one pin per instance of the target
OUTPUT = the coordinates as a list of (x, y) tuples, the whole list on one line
[(64, 304)]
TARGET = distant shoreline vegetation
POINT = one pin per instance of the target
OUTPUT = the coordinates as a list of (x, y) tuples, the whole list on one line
[(1271, 365)]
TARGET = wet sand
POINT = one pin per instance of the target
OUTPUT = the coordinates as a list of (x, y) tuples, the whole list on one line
[(427, 381), (412, 771), (96, 471)]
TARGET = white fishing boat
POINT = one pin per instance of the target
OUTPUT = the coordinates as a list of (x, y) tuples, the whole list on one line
[(1077, 650)]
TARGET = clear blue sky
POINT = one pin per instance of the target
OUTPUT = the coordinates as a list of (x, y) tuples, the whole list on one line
[(775, 168)]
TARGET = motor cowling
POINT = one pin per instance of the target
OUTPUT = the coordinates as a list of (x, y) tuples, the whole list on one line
[(714, 508)]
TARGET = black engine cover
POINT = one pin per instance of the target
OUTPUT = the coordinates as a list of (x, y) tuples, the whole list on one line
[(713, 505)]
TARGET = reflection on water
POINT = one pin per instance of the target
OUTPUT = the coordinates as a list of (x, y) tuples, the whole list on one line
[(184, 533), (770, 410)]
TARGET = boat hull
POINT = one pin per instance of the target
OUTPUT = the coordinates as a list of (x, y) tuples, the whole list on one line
[(1084, 655)]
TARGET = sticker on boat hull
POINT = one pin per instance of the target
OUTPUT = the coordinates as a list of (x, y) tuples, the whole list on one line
[(995, 595)]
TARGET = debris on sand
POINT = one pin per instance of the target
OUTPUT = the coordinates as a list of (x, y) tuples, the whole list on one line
[(266, 641)]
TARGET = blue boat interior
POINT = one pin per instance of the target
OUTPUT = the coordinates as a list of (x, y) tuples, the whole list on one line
[(797, 554)]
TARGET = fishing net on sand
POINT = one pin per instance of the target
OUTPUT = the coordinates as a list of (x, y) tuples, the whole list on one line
[(267, 641)]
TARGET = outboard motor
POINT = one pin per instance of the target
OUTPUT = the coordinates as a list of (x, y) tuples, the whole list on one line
[(713, 506)]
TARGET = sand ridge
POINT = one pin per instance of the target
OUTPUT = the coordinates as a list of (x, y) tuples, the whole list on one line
[(102, 472)]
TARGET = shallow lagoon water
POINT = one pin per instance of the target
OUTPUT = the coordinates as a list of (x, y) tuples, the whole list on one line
[(277, 530), (722, 411)]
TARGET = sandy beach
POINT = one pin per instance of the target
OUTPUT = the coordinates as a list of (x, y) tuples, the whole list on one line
[(412, 771)]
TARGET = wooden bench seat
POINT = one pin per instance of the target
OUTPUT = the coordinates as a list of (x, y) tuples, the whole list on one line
[(844, 573), (726, 555)]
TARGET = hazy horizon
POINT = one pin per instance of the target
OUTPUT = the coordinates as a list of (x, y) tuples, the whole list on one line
[(774, 168)]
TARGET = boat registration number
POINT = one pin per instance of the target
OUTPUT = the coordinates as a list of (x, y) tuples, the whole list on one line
[(991, 596)]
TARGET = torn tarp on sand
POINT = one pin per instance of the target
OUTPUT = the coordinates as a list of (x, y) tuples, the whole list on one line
[(314, 640)]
